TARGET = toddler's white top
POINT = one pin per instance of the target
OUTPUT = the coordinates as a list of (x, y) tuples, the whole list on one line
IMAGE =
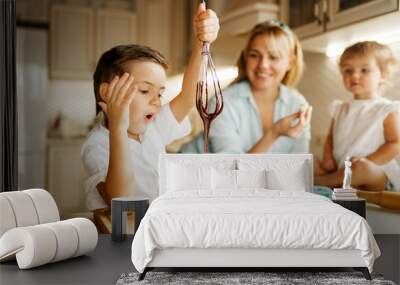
[(358, 131), (144, 155)]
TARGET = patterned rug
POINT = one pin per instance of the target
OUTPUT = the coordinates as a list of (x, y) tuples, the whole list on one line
[(243, 278)]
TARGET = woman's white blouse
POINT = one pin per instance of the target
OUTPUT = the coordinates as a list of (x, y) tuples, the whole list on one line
[(238, 128), (144, 155)]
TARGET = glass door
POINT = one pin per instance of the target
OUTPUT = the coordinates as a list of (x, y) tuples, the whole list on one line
[(306, 17), (345, 12)]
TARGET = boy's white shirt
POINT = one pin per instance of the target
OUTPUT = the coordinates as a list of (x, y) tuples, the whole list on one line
[(144, 155)]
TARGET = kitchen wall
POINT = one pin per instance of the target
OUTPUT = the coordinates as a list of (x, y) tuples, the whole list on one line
[(73, 98), (322, 84)]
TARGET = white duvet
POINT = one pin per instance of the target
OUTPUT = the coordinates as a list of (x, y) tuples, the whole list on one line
[(252, 218)]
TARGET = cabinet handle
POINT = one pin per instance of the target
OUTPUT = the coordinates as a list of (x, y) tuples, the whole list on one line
[(326, 8), (317, 12)]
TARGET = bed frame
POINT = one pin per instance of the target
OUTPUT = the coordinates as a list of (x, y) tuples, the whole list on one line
[(246, 259), (242, 259)]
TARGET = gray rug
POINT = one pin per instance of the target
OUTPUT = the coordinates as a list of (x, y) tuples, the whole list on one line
[(230, 278)]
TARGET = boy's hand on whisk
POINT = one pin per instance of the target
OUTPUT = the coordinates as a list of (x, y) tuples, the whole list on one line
[(205, 24), (118, 96)]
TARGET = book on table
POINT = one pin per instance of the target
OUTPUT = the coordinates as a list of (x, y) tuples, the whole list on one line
[(344, 194), (341, 190), (334, 197), (344, 198)]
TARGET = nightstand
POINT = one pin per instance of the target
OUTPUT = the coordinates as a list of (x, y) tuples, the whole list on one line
[(356, 205), (119, 207)]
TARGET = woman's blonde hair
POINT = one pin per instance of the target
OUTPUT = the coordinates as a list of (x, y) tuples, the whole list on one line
[(382, 53), (279, 32)]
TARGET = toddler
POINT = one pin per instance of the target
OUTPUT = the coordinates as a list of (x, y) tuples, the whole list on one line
[(365, 128)]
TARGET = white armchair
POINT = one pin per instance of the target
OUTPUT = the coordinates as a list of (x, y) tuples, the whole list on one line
[(31, 230)]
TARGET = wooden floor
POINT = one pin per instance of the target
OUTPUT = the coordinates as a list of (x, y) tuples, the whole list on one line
[(110, 260)]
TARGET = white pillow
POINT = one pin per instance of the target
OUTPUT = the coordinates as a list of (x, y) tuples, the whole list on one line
[(282, 174), (251, 178), (187, 177), (223, 179), (293, 180), (236, 179)]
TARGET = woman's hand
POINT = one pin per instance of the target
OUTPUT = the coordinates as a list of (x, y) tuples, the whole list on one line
[(119, 95), (205, 25), (284, 127)]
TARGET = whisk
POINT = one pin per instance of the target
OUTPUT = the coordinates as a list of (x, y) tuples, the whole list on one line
[(206, 111)]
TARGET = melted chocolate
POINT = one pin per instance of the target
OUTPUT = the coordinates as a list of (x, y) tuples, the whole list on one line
[(202, 97)]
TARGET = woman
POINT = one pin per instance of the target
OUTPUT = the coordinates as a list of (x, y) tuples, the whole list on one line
[(262, 113)]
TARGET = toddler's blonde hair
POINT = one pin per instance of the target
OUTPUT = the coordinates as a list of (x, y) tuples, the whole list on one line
[(382, 53)]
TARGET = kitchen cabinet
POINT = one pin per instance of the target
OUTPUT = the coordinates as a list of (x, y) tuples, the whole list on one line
[(344, 12), (32, 11), (66, 175), (80, 34), (310, 18), (72, 49), (155, 23), (306, 18), (114, 27), (165, 25)]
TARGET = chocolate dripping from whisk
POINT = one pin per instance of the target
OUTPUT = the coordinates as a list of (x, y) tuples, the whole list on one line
[(207, 117), (202, 108)]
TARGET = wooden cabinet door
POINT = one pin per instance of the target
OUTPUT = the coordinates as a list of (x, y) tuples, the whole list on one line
[(306, 18), (65, 175), (35, 11), (155, 25), (345, 12), (72, 42), (113, 28)]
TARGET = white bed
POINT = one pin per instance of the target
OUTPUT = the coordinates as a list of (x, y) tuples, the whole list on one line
[(202, 220)]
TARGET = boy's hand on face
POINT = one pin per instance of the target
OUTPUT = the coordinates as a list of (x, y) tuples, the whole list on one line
[(119, 95), (206, 25)]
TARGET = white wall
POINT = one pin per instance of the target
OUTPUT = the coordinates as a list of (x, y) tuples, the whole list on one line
[(74, 98), (322, 84)]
